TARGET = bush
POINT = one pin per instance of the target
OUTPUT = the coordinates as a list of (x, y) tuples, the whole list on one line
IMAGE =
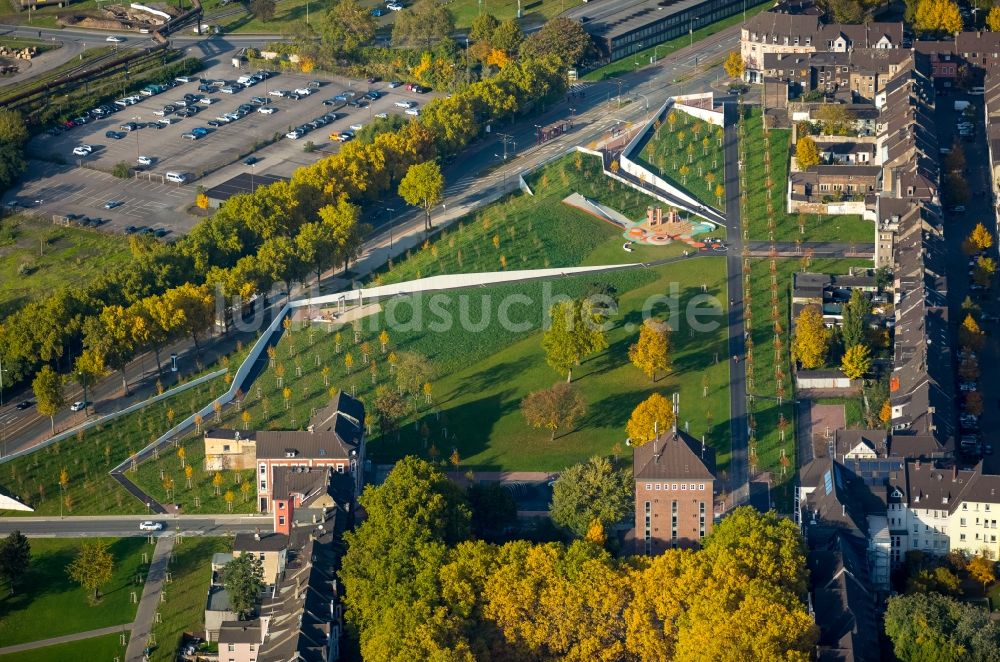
[(309, 147), (122, 170)]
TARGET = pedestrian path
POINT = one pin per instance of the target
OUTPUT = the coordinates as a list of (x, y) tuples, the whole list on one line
[(65, 639), (149, 604)]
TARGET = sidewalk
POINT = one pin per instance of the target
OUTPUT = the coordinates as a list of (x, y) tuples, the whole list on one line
[(150, 602), (65, 639)]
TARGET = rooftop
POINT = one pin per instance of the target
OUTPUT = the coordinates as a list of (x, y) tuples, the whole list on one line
[(674, 455), (260, 542), (242, 183)]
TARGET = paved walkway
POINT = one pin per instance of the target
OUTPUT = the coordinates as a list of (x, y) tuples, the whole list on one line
[(65, 639), (149, 604)]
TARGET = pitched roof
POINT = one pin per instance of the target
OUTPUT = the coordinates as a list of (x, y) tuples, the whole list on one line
[(240, 632), (675, 455)]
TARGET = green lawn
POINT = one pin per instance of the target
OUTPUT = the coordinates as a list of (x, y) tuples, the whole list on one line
[(47, 604), (89, 456), (688, 153), (103, 648), (537, 231), (184, 610), (627, 64), (766, 213), (39, 45), (762, 367), (37, 258)]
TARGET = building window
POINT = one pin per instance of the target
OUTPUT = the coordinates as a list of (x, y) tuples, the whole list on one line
[(263, 469), (701, 519), (263, 484), (225, 448), (673, 522), (340, 468), (281, 520), (961, 537), (658, 487), (649, 486), (232, 648), (281, 505), (648, 529)]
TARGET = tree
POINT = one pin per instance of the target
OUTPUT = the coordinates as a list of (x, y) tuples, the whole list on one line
[(968, 369), (279, 259), (317, 245), (483, 27), (217, 482), (423, 24), (195, 308), (112, 335), (592, 490), (243, 579), (508, 37), (970, 334), (972, 403), (812, 339), (983, 570), (423, 186), (993, 19), (652, 353), (931, 626), (941, 16), (980, 238), (835, 117), (847, 11), (15, 557), (856, 362), (346, 26), (559, 406), (734, 65), (856, 313), (806, 153), (89, 367), (263, 9), (390, 409), (560, 37), (93, 567), (575, 331), (412, 372), (652, 417), (985, 269), (49, 397)]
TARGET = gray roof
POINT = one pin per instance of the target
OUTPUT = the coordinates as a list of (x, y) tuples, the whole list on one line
[(675, 455), (309, 482), (242, 183), (619, 17), (218, 599), (240, 632), (260, 542)]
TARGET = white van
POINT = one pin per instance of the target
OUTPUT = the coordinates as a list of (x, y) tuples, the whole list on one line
[(244, 80), (176, 177)]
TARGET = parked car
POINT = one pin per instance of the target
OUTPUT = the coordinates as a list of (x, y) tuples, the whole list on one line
[(144, 161), (967, 387), (79, 405), (267, 110), (250, 160), (150, 526), (357, 127), (344, 136), (413, 111), (161, 232), (111, 204), (293, 135), (405, 104), (114, 135), (83, 150), (394, 84), (378, 11), (382, 116)]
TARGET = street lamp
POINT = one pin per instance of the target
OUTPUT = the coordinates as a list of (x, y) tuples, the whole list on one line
[(635, 59), (691, 28), (656, 50), (136, 119), (253, 171), (390, 211)]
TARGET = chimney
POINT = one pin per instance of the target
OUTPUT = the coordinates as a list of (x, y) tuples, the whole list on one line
[(843, 509), (677, 409), (917, 465), (954, 473)]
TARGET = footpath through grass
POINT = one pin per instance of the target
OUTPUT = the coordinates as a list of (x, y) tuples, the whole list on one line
[(765, 371), (38, 258), (688, 152), (628, 64), (48, 604), (766, 206), (184, 610), (522, 231), (107, 647)]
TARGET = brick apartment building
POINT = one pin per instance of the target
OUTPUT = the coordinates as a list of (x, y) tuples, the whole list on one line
[(674, 492), (334, 439)]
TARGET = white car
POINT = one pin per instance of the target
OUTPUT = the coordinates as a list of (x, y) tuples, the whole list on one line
[(266, 110), (208, 101), (357, 127), (405, 104), (277, 93), (413, 111), (382, 116), (144, 161), (78, 406), (303, 91), (115, 40), (394, 7), (149, 525), (83, 150), (293, 135)]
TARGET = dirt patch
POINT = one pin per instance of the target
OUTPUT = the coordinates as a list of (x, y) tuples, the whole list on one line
[(825, 420)]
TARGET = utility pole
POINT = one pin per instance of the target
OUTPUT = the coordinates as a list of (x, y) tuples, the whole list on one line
[(467, 73), (619, 82), (1, 381), (505, 139)]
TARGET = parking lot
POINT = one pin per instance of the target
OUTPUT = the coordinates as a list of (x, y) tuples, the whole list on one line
[(209, 160)]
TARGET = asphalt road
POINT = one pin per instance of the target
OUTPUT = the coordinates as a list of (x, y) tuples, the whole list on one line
[(86, 527)]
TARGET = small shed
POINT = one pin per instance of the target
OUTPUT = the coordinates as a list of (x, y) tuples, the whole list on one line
[(821, 379)]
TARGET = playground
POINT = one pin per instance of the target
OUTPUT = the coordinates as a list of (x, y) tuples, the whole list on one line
[(659, 228)]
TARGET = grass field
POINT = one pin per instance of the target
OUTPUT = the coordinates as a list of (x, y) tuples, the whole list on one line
[(88, 457), (39, 45), (37, 258), (47, 604), (103, 648), (692, 144), (539, 231), (766, 207), (762, 366), (628, 64), (184, 610)]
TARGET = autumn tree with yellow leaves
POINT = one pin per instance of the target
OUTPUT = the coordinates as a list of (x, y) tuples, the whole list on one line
[(651, 354), (812, 339), (651, 417), (416, 586)]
